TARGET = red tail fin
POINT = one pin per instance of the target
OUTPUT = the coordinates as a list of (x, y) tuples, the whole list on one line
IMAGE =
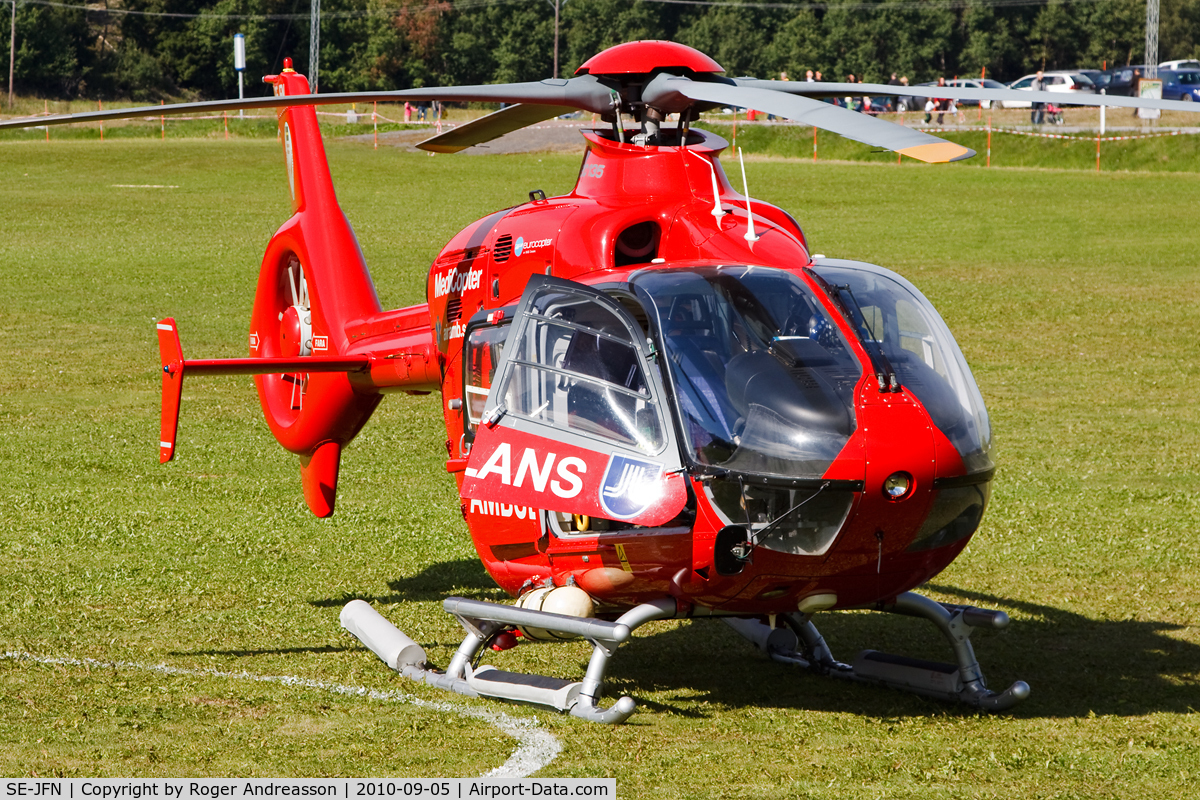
[(312, 282)]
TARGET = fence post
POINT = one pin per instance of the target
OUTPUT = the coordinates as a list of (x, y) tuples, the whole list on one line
[(814, 144), (100, 106), (989, 147)]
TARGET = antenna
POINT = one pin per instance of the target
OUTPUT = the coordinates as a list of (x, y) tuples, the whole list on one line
[(717, 211), (750, 235)]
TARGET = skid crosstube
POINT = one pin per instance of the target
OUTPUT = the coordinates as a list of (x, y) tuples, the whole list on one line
[(963, 681)]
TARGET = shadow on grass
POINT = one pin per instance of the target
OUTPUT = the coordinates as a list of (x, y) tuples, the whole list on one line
[(1075, 665), (463, 578)]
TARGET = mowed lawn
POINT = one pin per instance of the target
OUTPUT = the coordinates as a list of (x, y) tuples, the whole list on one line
[(1074, 296)]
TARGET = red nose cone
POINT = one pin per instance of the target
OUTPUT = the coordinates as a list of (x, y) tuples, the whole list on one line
[(642, 57), (289, 333)]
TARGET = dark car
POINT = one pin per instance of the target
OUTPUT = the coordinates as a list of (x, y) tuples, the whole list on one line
[(1121, 81), (1181, 84)]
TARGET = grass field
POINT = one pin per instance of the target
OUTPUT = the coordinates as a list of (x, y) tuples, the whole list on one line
[(1073, 295)]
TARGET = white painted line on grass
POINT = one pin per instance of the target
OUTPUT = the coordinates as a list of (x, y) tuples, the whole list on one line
[(535, 747)]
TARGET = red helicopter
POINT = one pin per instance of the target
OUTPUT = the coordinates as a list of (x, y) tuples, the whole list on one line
[(658, 402)]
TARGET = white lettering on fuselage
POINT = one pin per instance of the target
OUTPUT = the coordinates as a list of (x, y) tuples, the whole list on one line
[(492, 509), (567, 484), (455, 281)]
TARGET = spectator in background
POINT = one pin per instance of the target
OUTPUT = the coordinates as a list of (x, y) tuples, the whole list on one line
[(942, 103), (783, 77), (808, 76), (893, 102), (1037, 111)]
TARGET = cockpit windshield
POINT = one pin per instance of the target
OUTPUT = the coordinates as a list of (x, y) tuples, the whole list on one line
[(763, 379), (896, 318)]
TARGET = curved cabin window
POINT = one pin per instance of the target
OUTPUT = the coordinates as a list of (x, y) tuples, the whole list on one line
[(576, 367), (485, 346)]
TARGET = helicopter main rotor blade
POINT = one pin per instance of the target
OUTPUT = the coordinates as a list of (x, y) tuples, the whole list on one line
[(666, 92), (822, 89), (584, 93), (492, 126)]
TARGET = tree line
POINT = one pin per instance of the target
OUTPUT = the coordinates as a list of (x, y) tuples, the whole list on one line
[(147, 50)]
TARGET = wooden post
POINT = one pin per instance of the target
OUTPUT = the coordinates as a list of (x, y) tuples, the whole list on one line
[(225, 117)]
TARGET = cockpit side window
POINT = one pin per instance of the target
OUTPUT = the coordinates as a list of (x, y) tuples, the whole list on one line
[(576, 367), (484, 348)]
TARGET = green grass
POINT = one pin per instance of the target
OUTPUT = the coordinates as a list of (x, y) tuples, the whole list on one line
[(1074, 297)]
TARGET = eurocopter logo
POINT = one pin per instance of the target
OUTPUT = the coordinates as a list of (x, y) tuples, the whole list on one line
[(455, 281), (630, 485), (521, 246)]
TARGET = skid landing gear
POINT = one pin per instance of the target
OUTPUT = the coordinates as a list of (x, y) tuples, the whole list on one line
[(802, 645), (482, 620)]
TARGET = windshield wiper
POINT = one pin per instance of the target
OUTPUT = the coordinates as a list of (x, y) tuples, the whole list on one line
[(884, 372)]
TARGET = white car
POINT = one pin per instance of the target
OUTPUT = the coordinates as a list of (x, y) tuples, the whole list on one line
[(1187, 63), (1055, 82)]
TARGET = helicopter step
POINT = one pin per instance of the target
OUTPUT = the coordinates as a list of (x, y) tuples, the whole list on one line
[(962, 682), (482, 621)]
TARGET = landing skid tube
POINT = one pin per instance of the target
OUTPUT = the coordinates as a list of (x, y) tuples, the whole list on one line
[(482, 620), (962, 682)]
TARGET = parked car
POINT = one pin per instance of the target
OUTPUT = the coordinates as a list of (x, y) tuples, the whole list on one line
[(1184, 64), (976, 83), (1121, 81), (1181, 84), (1066, 82)]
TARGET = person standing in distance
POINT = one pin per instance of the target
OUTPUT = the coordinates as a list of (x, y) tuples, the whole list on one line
[(1038, 111)]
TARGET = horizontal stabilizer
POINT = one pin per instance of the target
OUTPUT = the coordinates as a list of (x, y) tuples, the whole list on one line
[(174, 366)]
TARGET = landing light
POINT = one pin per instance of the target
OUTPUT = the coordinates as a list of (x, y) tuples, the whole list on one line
[(897, 486)]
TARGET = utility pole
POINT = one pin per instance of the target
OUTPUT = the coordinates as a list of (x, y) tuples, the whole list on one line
[(557, 5), (12, 52), (314, 45), (1151, 39)]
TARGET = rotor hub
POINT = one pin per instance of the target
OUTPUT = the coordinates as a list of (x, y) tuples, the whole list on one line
[(295, 332)]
